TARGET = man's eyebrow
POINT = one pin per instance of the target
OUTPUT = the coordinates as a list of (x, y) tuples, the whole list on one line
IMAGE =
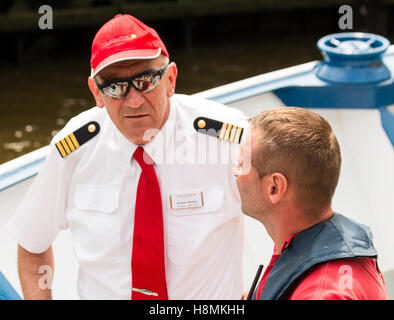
[(107, 75)]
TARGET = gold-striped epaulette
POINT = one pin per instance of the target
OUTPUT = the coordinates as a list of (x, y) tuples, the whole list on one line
[(222, 130), (74, 140)]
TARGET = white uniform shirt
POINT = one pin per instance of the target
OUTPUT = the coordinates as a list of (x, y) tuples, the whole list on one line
[(92, 191)]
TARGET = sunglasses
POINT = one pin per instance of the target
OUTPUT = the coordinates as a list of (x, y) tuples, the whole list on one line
[(142, 82)]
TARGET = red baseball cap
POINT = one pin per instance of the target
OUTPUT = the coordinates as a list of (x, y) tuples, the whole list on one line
[(124, 38)]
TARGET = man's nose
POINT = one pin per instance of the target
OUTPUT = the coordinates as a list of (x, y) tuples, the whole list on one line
[(134, 98)]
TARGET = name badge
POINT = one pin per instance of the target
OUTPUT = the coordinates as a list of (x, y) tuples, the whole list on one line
[(186, 200)]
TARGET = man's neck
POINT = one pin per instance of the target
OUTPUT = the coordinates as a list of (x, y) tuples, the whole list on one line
[(291, 225)]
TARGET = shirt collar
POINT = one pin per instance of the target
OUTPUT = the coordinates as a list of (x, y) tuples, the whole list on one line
[(285, 244), (155, 148)]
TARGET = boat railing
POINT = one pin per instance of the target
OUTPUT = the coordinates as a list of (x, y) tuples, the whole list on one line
[(22, 168)]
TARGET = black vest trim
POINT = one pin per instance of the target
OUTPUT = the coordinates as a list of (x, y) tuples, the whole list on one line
[(337, 238)]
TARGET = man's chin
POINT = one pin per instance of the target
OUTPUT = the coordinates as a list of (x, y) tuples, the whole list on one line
[(142, 136), (250, 213), (244, 210)]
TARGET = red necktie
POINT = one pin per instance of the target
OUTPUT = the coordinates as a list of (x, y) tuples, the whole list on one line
[(147, 262)]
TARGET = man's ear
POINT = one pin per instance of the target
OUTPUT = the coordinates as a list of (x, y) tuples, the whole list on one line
[(172, 75), (277, 187), (95, 92)]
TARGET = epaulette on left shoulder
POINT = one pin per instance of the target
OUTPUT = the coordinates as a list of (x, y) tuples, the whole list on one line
[(222, 130), (74, 140)]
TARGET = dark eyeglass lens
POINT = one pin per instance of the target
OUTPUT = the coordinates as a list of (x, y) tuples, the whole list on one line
[(143, 83), (116, 90), (147, 82)]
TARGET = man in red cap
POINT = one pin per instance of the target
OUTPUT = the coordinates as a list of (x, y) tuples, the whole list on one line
[(148, 219)]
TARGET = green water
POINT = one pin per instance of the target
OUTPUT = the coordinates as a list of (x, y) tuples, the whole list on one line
[(38, 98)]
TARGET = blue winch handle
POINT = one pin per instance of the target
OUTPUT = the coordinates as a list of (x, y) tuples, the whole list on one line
[(353, 45), (7, 292)]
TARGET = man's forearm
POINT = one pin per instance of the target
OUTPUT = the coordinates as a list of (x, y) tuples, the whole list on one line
[(36, 273)]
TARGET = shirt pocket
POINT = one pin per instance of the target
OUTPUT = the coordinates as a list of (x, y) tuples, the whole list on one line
[(193, 233), (96, 198), (95, 225)]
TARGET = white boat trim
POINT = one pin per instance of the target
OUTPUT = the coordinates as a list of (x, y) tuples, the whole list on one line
[(253, 86), (22, 168)]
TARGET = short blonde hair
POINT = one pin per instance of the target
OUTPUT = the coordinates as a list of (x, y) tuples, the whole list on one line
[(301, 145)]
